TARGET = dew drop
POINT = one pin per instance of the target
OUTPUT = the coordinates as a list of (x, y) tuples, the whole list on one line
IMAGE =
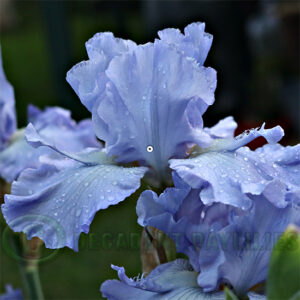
[(78, 212), (86, 184), (202, 214), (150, 149)]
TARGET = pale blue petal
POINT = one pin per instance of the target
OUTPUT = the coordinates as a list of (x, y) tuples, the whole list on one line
[(175, 280), (147, 103), (249, 242), (7, 108), (285, 162), (181, 214), (17, 156), (11, 294), (229, 176), (88, 78), (272, 135), (195, 42), (55, 125), (207, 234), (223, 129), (104, 44), (57, 205)]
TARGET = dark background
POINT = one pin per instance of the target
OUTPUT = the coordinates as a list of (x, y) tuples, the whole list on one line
[(255, 52)]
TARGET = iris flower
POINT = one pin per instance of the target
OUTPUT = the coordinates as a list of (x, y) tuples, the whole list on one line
[(225, 244), (146, 102)]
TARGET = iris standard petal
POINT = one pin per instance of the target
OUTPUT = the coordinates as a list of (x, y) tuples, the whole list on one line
[(145, 114), (57, 205), (228, 174), (88, 78), (195, 42), (175, 280), (7, 108)]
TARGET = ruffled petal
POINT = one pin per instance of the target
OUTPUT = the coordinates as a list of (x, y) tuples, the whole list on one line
[(151, 90), (225, 244), (7, 108), (223, 129), (88, 78), (195, 42), (272, 135), (11, 294), (228, 174), (55, 125), (104, 44), (175, 280), (180, 213), (57, 205)]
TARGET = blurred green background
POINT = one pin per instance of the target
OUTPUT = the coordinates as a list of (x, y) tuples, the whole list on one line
[(255, 52)]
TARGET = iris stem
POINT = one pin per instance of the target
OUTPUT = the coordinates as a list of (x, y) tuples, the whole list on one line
[(31, 279)]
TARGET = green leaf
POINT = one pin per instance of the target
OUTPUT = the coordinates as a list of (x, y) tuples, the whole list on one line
[(230, 295), (284, 272)]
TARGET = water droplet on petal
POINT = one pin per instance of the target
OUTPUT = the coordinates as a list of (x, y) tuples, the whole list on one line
[(150, 149)]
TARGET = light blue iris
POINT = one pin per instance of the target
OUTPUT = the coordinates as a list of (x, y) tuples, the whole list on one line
[(147, 103), (226, 244)]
